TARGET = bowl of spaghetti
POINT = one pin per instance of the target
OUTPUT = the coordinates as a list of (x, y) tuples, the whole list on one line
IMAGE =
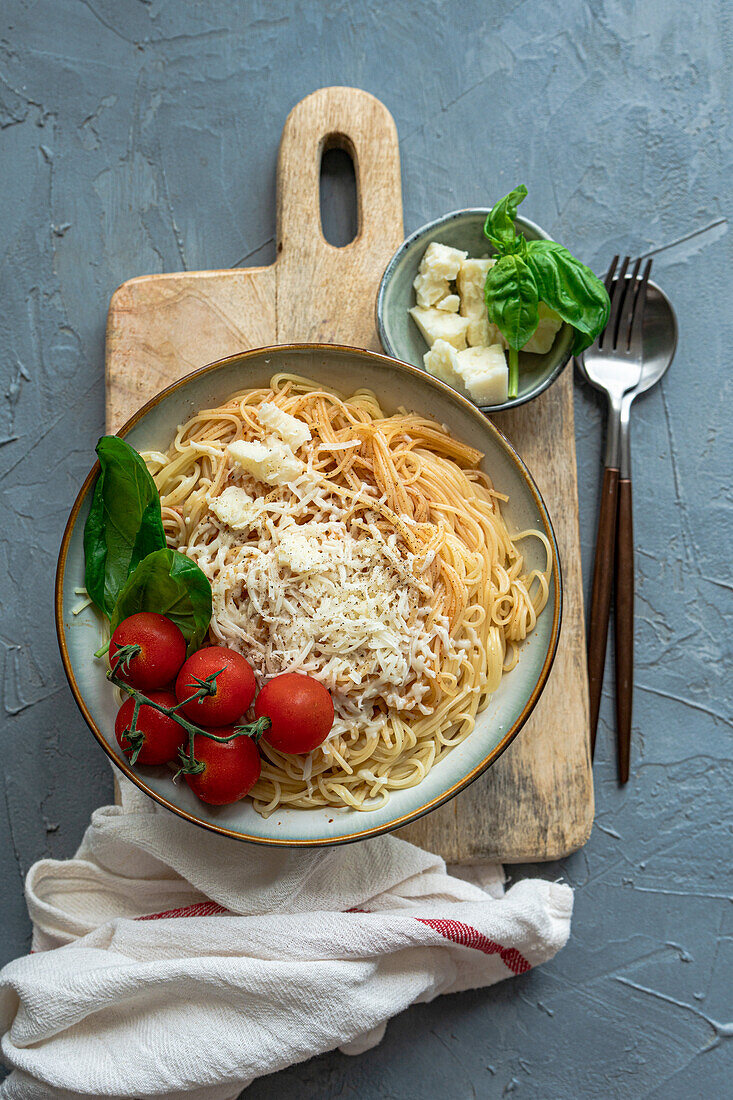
[(401, 554)]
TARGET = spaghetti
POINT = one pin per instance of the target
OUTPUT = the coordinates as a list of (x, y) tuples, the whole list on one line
[(370, 552)]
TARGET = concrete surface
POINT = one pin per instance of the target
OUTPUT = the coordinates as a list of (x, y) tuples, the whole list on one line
[(140, 136)]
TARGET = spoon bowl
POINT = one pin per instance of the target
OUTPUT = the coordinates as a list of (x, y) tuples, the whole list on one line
[(659, 343), (659, 339)]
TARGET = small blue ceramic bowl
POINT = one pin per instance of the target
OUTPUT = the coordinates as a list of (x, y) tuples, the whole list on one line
[(398, 332)]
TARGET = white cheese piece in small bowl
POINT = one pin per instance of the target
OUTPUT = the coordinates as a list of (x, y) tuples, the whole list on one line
[(438, 268), (438, 324), (485, 374), (479, 373), (544, 335), (450, 303), (470, 282), (442, 362)]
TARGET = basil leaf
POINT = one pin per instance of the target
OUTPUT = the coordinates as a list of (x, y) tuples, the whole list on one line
[(171, 584), (124, 523), (571, 289), (511, 299), (499, 225)]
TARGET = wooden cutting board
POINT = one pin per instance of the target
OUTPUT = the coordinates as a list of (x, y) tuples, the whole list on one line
[(536, 803)]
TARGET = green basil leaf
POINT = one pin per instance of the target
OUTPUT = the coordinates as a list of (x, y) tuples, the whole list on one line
[(124, 523), (512, 300), (499, 225), (583, 340), (171, 584), (571, 289)]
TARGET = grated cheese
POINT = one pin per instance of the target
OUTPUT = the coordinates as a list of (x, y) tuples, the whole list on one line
[(330, 597)]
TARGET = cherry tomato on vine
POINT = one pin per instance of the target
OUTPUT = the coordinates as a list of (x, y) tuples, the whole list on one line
[(231, 768), (300, 710), (162, 650), (161, 736), (233, 692)]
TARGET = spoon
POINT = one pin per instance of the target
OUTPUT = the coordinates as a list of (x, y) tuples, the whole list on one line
[(659, 342)]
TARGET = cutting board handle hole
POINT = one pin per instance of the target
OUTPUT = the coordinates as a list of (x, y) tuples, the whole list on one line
[(338, 193)]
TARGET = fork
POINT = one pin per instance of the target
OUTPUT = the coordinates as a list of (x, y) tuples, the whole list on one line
[(613, 364)]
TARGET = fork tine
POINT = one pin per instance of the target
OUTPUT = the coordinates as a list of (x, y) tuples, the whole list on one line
[(618, 293), (610, 273), (637, 319), (612, 288), (627, 310)]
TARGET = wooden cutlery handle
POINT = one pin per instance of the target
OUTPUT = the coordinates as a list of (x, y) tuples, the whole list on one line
[(624, 626), (600, 601)]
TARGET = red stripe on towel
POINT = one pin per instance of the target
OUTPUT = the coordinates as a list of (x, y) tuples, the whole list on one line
[(453, 930), (467, 936), (199, 909)]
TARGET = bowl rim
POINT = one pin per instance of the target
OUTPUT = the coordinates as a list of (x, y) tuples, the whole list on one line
[(389, 270), (412, 815)]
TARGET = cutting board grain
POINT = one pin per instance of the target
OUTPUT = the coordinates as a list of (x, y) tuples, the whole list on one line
[(536, 803)]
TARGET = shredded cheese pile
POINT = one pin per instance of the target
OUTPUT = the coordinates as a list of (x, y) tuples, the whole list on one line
[(330, 597)]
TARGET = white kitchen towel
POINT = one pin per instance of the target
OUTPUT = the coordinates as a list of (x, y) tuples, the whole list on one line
[(168, 961)]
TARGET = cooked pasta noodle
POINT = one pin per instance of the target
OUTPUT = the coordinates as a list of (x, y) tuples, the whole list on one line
[(381, 565)]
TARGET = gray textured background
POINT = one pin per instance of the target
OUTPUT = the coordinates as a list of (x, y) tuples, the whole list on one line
[(140, 136)]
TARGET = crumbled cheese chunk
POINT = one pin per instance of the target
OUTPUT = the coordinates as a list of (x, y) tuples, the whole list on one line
[(429, 290), (292, 431), (271, 461), (470, 282), (437, 324), (442, 260), (484, 373), (442, 362), (438, 267), (478, 373), (235, 508), (482, 334), (450, 303), (471, 279), (544, 335)]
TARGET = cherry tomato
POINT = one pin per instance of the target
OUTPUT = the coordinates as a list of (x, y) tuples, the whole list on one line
[(234, 686), (231, 768), (162, 650), (162, 736), (300, 709)]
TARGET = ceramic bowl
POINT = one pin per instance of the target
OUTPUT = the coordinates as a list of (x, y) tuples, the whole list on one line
[(396, 384), (400, 335)]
